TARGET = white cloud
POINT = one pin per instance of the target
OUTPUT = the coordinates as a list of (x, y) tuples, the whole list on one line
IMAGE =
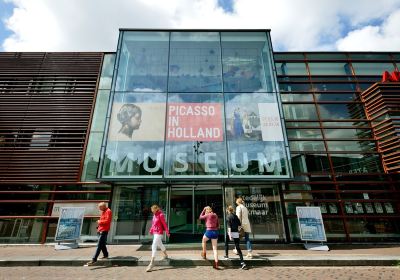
[(92, 25), (385, 37)]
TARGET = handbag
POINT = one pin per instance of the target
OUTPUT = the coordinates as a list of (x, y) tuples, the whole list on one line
[(241, 229), (241, 232)]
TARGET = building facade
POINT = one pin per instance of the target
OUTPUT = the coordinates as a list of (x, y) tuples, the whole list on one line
[(189, 118)]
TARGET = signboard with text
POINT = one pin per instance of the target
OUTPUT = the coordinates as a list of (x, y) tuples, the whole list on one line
[(311, 224), (70, 223), (194, 122)]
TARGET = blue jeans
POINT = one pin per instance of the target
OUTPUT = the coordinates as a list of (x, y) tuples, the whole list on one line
[(248, 242), (101, 245)]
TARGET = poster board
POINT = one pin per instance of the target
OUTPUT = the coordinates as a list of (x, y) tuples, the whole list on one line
[(70, 223), (311, 225)]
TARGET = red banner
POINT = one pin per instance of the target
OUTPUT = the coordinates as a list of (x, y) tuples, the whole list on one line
[(194, 122)]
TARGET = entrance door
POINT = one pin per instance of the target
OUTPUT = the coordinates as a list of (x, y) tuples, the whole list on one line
[(186, 204)]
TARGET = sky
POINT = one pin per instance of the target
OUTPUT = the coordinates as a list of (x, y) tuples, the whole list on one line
[(296, 25)]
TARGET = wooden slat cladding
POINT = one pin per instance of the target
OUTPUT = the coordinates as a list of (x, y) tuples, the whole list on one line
[(382, 105), (45, 105)]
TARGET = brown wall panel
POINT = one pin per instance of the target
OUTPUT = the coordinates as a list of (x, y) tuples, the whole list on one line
[(45, 105)]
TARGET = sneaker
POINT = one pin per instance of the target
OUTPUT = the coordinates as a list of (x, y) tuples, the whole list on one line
[(104, 257), (165, 258), (149, 267), (243, 265), (89, 263), (249, 255), (226, 258), (235, 251)]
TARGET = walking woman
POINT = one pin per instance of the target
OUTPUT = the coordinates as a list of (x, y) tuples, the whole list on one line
[(243, 215), (233, 224), (157, 229), (212, 226)]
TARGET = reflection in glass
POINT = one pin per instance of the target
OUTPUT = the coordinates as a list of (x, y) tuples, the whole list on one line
[(291, 97), (294, 87), (341, 111), (339, 146), (363, 68), (305, 163), (264, 207), (300, 112), (329, 68), (356, 163), (347, 133), (246, 62), (143, 62), (307, 146), (291, 68), (304, 133), (107, 71), (195, 62), (336, 97), (132, 206)]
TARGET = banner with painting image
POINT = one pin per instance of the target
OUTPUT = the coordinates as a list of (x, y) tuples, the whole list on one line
[(255, 136), (136, 135), (250, 118)]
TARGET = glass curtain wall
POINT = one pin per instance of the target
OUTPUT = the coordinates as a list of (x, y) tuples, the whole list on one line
[(194, 105), (334, 158)]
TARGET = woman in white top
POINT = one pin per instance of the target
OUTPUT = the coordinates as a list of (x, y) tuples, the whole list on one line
[(243, 215)]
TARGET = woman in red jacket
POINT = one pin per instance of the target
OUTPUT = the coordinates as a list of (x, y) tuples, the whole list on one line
[(157, 229)]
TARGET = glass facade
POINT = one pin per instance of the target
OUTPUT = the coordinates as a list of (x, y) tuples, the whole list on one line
[(194, 105), (334, 157)]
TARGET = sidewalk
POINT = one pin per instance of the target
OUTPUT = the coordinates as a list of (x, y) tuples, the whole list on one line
[(189, 255)]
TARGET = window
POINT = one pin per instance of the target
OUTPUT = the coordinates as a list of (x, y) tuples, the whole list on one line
[(294, 87), (363, 68), (307, 163), (341, 111), (246, 62), (195, 62), (306, 146), (299, 97), (336, 97), (351, 146), (329, 68), (107, 71), (300, 112), (291, 68), (348, 133), (304, 133), (143, 62), (356, 163)]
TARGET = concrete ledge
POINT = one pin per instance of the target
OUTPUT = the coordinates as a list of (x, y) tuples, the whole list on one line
[(191, 262)]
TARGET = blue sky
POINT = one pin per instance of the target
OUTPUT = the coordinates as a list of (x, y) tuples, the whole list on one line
[(296, 25), (5, 12)]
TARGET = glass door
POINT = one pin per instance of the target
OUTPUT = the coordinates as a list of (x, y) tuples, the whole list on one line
[(186, 204), (264, 205), (181, 214), (207, 196), (131, 211)]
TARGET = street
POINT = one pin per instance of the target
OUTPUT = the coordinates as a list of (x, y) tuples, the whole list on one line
[(298, 273)]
